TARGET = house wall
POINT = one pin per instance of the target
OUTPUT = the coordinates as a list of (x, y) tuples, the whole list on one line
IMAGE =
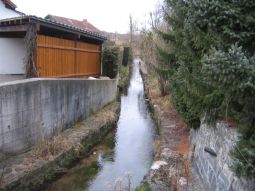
[(35, 109), (7, 13), (11, 55)]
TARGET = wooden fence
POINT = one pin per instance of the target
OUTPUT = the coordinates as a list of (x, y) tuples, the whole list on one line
[(66, 58)]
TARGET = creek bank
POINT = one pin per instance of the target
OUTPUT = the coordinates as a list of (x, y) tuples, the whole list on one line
[(171, 169), (32, 170), (182, 160)]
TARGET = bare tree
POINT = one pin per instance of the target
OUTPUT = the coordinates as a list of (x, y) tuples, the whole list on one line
[(131, 28), (149, 43)]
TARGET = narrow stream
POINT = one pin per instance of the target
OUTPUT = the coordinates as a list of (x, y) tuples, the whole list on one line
[(125, 156)]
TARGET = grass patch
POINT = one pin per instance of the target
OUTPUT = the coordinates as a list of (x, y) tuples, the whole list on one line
[(104, 116), (151, 78), (91, 170), (144, 186), (69, 160), (124, 76), (47, 150), (77, 125), (109, 140)]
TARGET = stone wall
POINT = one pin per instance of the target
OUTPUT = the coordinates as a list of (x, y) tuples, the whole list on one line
[(36, 109), (215, 170)]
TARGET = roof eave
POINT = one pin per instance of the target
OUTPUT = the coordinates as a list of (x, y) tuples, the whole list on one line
[(72, 29), (49, 23)]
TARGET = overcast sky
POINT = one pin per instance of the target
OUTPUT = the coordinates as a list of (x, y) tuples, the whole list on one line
[(107, 15)]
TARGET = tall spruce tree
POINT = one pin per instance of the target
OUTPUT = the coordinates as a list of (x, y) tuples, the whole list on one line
[(211, 63)]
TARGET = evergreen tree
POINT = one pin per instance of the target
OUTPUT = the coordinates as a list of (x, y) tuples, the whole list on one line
[(211, 63)]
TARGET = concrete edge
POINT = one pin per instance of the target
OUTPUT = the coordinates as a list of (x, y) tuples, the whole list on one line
[(30, 80)]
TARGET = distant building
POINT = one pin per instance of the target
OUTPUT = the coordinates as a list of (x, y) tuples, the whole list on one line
[(84, 25), (8, 9)]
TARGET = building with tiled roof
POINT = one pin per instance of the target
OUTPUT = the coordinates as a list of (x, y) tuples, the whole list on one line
[(9, 4), (85, 25), (61, 50), (8, 9)]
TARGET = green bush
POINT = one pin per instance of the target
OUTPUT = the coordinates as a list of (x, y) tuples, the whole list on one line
[(126, 56), (110, 61), (144, 186), (124, 76)]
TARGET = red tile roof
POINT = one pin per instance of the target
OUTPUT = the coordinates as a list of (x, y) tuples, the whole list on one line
[(9, 4), (84, 25)]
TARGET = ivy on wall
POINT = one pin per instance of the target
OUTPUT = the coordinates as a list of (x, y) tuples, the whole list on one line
[(30, 45)]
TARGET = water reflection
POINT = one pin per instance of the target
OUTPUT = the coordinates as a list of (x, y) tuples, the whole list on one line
[(134, 138)]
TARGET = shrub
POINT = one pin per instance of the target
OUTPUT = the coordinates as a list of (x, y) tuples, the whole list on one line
[(126, 56), (110, 61)]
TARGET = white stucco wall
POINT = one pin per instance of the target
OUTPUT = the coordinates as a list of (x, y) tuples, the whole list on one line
[(12, 52), (7, 13)]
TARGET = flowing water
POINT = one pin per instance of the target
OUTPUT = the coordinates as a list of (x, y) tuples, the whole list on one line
[(125, 156)]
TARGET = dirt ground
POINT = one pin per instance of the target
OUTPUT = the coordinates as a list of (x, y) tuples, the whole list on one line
[(171, 169)]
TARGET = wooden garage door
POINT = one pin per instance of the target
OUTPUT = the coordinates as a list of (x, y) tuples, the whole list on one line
[(66, 58)]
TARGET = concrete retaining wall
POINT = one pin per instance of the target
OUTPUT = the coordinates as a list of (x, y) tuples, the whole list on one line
[(36, 109), (216, 170)]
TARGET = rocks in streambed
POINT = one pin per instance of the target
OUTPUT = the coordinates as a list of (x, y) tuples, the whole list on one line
[(169, 172), (157, 164)]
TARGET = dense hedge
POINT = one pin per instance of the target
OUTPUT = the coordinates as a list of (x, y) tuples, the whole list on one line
[(126, 56), (110, 60), (210, 61)]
